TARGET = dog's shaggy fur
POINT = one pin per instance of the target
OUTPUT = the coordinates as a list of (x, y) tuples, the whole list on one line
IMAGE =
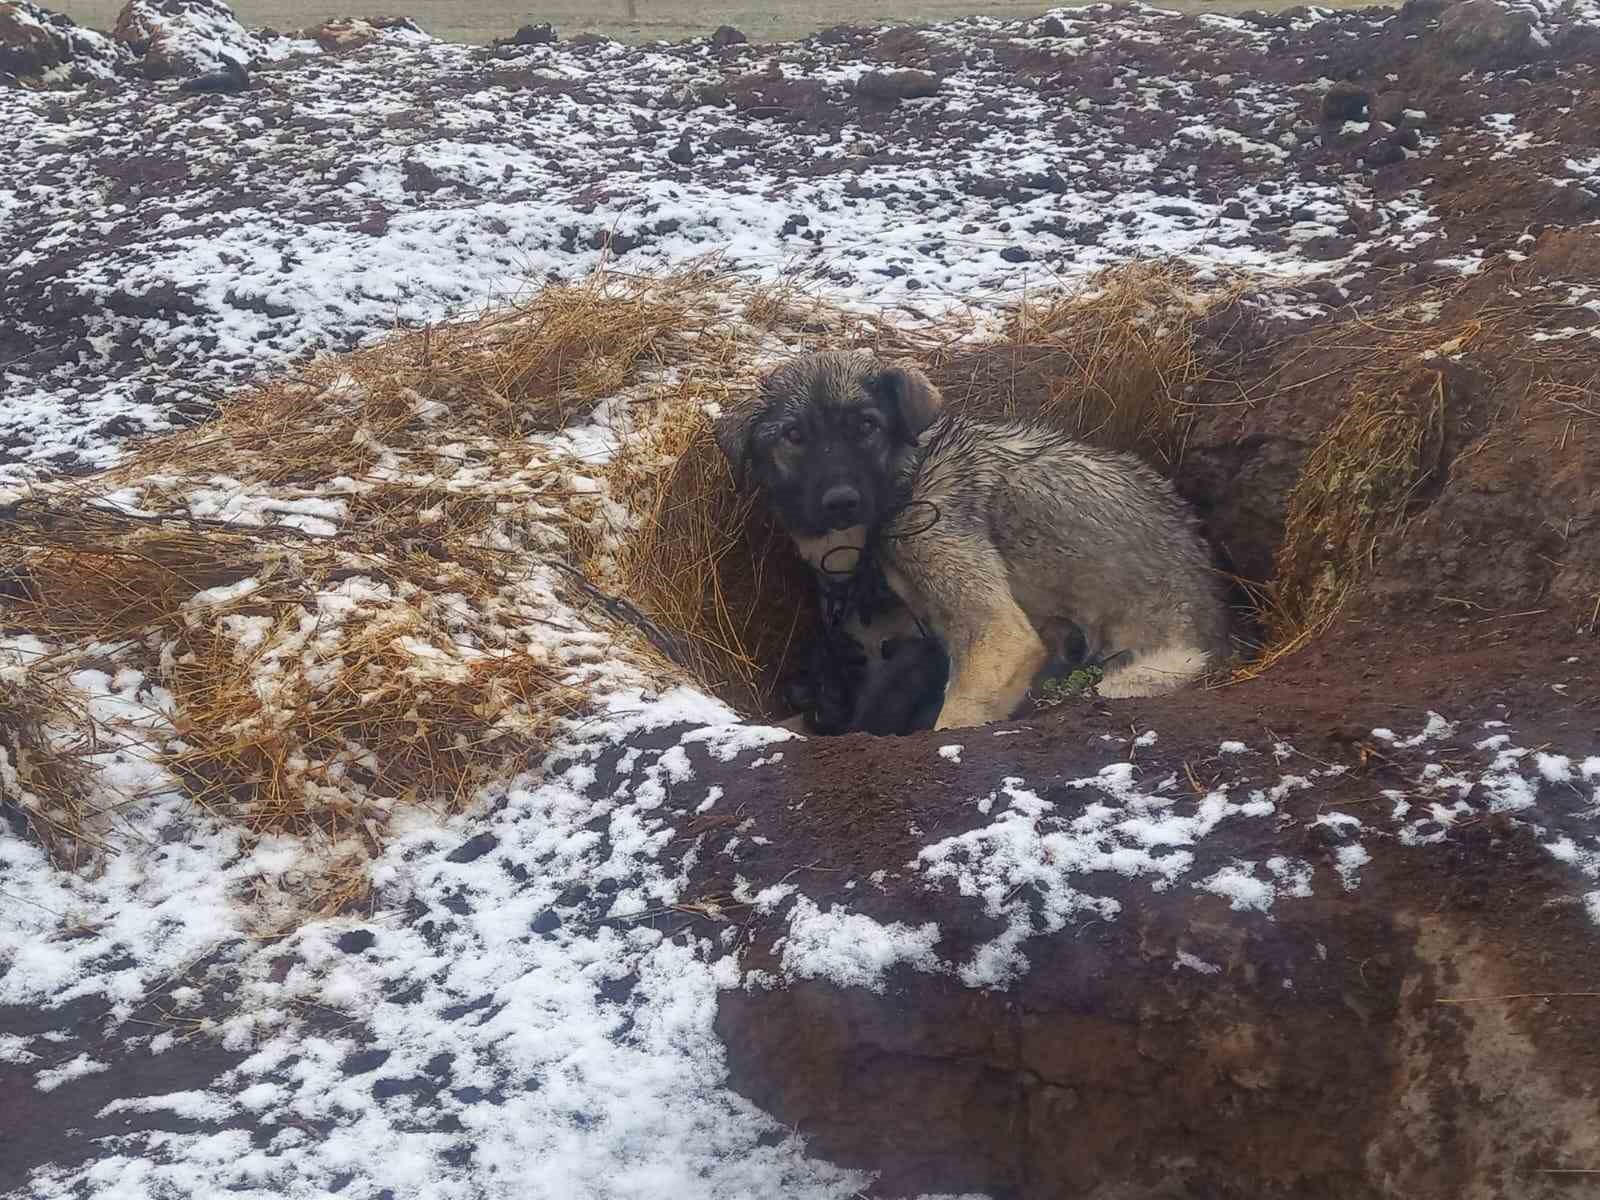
[(991, 533)]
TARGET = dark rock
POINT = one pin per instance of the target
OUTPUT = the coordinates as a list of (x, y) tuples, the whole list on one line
[(1409, 138), (383, 1089), (683, 152), (1050, 181), (894, 86), (1235, 210), (231, 79), (547, 922), (1384, 154), (439, 1065), (727, 35), (356, 941), (1416, 11), (542, 34), (473, 848), (1016, 254), (1485, 33), (364, 1061), (418, 176), (1573, 200), (1346, 102), (34, 40), (1050, 27)]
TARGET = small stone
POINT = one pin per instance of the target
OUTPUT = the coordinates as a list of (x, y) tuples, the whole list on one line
[(231, 79), (683, 152), (363, 1061), (473, 848), (727, 35), (1016, 254), (356, 941), (418, 176), (1384, 154), (1050, 27), (894, 86), (547, 922)]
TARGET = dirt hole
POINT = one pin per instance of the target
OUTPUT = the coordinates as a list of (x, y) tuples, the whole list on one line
[(1119, 365)]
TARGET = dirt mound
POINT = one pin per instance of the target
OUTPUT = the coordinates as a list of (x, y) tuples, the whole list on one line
[(1357, 1044), (39, 45)]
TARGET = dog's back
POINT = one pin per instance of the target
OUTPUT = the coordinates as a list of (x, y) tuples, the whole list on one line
[(1089, 535)]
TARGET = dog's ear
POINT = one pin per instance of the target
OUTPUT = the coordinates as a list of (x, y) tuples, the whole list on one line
[(916, 399), (732, 430)]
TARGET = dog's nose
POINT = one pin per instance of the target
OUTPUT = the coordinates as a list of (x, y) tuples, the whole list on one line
[(841, 503)]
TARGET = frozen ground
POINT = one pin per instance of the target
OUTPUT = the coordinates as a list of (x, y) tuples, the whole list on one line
[(158, 248), (517, 1016), (528, 1008)]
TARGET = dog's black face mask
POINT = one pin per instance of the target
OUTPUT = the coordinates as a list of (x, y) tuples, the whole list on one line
[(829, 436)]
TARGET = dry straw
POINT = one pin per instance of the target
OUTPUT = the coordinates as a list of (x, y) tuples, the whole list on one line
[(41, 768), (1114, 364), (316, 681), (1359, 485)]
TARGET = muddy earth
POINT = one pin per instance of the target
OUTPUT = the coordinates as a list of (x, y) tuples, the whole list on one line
[(1326, 930)]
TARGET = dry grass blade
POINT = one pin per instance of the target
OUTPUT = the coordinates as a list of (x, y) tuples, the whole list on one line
[(706, 561), (40, 773), (533, 366), (1113, 365), (1356, 489)]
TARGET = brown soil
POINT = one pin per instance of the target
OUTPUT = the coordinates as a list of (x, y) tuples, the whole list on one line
[(1104, 1072)]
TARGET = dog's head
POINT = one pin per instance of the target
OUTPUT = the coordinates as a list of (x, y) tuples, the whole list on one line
[(828, 435)]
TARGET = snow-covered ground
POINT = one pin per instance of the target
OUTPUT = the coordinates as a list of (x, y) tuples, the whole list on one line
[(157, 247), (511, 1019)]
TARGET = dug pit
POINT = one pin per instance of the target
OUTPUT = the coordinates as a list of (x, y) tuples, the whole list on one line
[(1409, 505)]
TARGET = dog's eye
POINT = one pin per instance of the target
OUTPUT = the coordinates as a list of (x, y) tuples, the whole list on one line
[(794, 435), (869, 424)]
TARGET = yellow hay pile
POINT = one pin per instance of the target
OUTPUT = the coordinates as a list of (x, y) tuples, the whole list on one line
[(376, 581), (311, 683), (1115, 364), (1357, 486), (42, 775), (533, 366)]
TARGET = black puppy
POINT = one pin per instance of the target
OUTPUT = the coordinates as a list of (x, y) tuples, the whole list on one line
[(870, 667)]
